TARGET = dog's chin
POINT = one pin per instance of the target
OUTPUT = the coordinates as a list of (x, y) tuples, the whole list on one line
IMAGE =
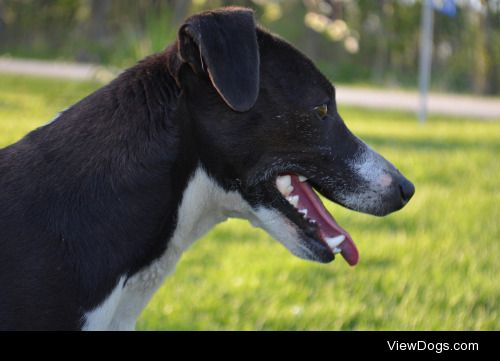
[(292, 236), (312, 249)]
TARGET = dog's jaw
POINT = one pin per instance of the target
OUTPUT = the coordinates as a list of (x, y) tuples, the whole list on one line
[(284, 231)]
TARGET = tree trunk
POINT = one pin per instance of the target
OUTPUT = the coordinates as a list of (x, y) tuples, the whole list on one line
[(2, 23), (380, 57), (98, 21), (493, 58), (181, 9)]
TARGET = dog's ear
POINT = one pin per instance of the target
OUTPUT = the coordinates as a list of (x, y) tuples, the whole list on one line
[(224, 43)]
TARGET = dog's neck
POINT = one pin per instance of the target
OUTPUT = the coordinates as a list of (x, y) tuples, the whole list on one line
[(203, 205), (157, 200)]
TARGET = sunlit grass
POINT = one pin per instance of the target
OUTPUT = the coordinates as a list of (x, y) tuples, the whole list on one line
[(432, 265)]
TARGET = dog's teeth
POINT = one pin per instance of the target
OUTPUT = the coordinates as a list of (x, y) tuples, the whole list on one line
[(283, 182), (294, 200), (289, 190), (303, 212), (333, 242), (302, 178), (337, 250)]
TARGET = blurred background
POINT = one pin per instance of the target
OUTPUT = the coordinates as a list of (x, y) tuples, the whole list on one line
[(371, 41), (432, 266)]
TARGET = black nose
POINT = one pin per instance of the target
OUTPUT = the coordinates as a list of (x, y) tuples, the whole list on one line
[(407, 190)]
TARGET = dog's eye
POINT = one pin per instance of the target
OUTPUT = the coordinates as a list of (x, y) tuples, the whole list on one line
[(321, 110)]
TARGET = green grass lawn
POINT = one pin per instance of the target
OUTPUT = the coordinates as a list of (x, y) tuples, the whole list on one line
[(432, 266)]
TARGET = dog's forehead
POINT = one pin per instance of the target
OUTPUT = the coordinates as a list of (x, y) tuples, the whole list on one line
[(283, 67)]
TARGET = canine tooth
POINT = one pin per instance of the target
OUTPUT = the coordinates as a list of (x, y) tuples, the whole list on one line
[(289, 190), (337, 250), (303, 212), (283, 182), (294, 200), (302, 178), (333, 242)]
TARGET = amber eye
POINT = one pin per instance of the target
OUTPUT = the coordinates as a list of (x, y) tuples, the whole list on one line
[(321, 110)]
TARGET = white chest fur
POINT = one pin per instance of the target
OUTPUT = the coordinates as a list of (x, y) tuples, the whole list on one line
[(203, 205)]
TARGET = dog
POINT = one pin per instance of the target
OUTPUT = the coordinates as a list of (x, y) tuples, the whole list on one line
[(97, 206)]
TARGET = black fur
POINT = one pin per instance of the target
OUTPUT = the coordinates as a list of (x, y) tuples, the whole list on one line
[(89, 198), (94, 195)]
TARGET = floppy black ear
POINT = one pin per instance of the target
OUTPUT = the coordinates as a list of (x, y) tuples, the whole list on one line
[(224, 43)]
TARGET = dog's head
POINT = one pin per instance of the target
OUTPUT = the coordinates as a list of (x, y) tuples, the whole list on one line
[(266, 125)]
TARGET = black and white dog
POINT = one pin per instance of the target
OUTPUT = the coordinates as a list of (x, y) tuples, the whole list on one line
[(230, 121)]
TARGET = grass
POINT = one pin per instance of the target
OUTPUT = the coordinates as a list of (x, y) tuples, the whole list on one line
[(432, 266)]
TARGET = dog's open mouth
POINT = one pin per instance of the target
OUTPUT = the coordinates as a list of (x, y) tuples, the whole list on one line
[(300, 194)]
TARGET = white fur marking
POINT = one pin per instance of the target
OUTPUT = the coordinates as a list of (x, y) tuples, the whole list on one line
[(373, 169), (203, 205), (385, 180), (100, 317), (370, 166)]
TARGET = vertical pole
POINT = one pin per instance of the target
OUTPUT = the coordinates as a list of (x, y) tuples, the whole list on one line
[(426, 35)]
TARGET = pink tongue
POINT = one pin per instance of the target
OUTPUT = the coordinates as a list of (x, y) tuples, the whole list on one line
[(328, 227)]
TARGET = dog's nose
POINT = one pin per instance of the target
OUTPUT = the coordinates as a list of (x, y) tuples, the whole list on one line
[(407, 190)]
